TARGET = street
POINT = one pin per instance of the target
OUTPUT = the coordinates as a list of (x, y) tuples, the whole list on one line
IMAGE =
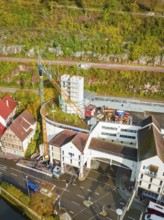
[(99, 188)]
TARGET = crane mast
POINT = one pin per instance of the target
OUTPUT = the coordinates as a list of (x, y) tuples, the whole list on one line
[(42, 69)]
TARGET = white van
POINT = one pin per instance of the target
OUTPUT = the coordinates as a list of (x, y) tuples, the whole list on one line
[(153, 217)]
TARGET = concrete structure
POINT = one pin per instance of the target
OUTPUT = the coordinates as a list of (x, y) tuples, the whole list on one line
[(73, 87), (19, 134)]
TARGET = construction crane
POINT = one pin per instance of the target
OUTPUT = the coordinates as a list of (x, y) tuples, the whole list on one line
[(42, 69)]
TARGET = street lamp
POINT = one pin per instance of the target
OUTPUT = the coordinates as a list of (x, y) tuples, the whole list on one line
[(119, 213), (27, 185)]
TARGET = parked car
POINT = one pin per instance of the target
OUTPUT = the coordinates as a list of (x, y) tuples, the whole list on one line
[(32, 186)]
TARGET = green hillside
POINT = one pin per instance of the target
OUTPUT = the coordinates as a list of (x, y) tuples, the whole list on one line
[(85, 29)]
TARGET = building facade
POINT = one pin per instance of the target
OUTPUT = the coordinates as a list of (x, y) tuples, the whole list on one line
[(73, 87), (19, 134)]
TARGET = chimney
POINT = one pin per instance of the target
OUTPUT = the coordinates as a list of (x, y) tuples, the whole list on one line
[(7, 103)]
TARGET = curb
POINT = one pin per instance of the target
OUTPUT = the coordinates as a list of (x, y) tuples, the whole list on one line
[(30, 168)]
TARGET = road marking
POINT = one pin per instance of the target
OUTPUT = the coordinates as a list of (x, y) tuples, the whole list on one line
[(71, 212), (80, 196), (97, 193), (131, 218), (99, 181), (14, 174), (108, 218), (75, 203), (89, 190), (81, 187), (74, 184)]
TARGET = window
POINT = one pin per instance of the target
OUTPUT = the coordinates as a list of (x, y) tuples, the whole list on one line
[(149, 186), (160, 183), (71, 161), (79, 163), (63, 152), (151, 179), (140, 182), (127, 136), (79, 157), (159, 189), (109, 134), (141, 176)]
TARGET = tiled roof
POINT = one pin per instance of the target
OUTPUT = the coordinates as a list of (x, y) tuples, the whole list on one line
[(80, 140), (21, 125), (118, 150), (150, 143), (7, 105), (66, 136), (62, 138), (2, 129)]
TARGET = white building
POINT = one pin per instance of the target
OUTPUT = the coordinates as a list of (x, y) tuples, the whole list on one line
[(139, 148), (73, 87)]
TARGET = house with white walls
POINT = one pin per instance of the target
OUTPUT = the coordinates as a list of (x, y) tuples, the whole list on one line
[(67, 149), (8, 108), (150, 176), (19, 134)]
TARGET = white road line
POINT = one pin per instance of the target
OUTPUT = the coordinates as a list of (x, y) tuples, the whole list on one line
[(74, 184), (80, 196), (97, 193), (131, 218), (14, 174), (89, 190), (81, 187), (75, 203), (99, 181), (71, 212), (2, 169), (108, 218), (113, 210)]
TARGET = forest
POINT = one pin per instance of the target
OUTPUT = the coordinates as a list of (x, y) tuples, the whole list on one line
[(84, 29)]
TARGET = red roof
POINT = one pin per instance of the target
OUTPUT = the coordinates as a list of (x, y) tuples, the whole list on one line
[(7, 105), (2, 129)]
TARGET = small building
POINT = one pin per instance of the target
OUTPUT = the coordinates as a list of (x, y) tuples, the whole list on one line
[(67, 148), (90, 110), (19, 134), (8, 108)]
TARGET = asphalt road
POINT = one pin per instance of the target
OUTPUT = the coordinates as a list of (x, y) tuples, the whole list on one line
[(99, 188), (96, 65)]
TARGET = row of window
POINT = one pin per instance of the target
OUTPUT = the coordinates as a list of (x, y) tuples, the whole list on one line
[(109, 128), (109, 134), (127, 130), (12, 146), (71, 161), (127, 136), (122, 129), (114, 135), (151, 180), (149, 186)]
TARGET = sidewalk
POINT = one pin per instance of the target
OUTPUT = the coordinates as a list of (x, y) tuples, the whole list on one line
[(8, 156)]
